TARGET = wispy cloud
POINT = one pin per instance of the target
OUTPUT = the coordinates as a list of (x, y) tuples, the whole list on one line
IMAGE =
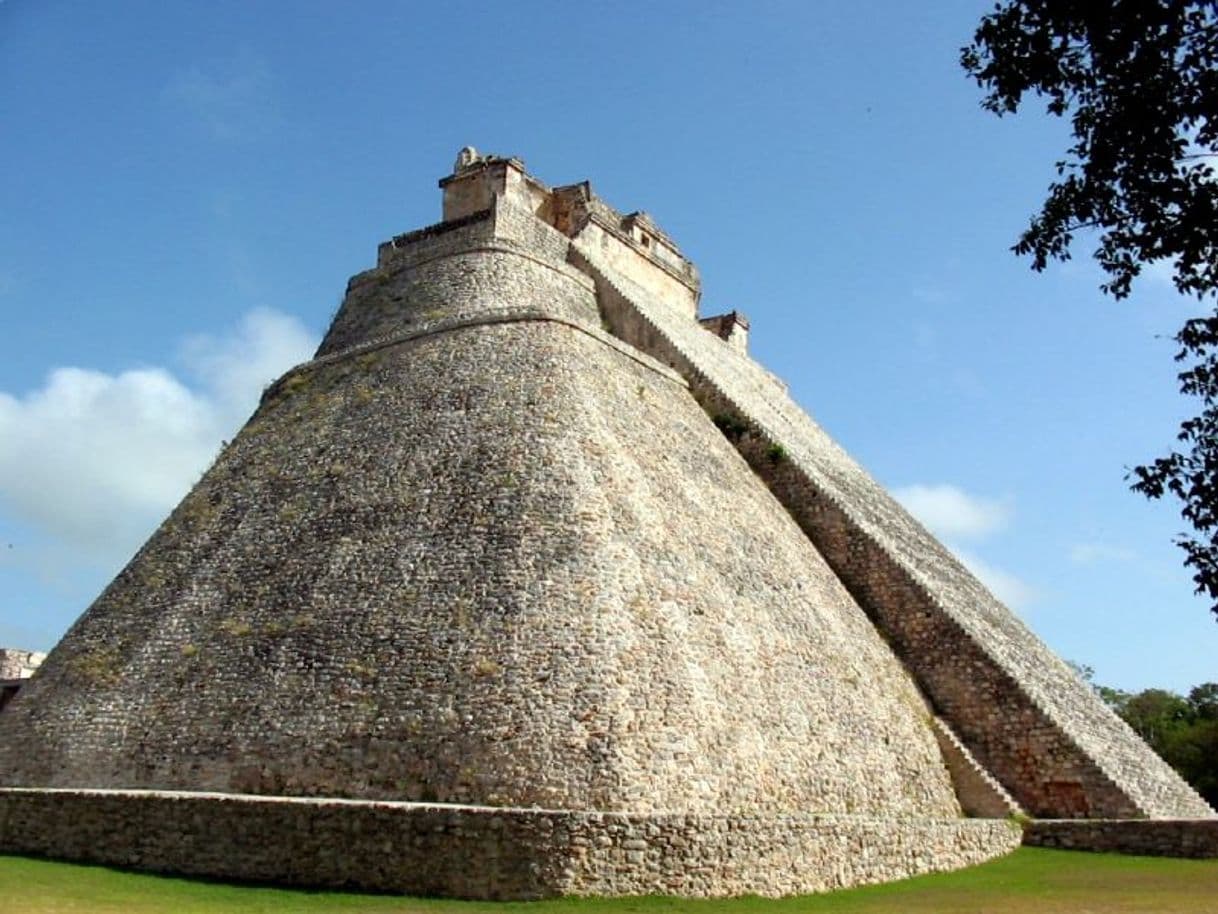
[(1091, 553), (1010, 589), (952, 513), (89, 461), (957, 516), (230, 100)]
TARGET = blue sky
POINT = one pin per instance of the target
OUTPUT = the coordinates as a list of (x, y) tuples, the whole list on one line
[(186, 187)]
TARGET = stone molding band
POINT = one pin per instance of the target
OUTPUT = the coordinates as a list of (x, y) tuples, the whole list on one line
[(481, 318), (401, 259)]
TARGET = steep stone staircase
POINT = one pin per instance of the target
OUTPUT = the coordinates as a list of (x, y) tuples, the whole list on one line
[(1014, 707)]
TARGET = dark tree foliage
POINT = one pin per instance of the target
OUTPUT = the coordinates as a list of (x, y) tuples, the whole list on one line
[(1183, 731), (1137, 80), (1191, 473)]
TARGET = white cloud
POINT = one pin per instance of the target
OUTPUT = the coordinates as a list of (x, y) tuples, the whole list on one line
[(232, 99), (1090, 553), (954, 515), (950, 512), (1008, 588), (236, 366), (89, 448), (91, 460)]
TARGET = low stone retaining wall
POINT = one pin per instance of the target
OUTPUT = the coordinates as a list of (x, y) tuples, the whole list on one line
[(1154, 837), (484, 852)]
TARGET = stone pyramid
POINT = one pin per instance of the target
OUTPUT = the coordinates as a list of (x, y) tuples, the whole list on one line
[(533, 582)]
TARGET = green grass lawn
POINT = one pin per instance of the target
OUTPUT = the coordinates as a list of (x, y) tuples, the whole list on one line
[(1030, 880)]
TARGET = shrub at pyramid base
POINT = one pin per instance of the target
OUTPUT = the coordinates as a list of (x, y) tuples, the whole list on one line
[(483, 601)]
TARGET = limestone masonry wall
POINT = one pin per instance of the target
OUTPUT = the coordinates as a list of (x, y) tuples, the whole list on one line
[(19, 664), (1154, 837), (500, 259), (979, 793), (481, 852), (16, 666), (528, 584), (621, 259), (450, 560), (1017, 707)]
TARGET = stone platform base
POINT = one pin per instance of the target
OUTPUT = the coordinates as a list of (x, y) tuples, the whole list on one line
[(482, 851), (1154, 837)]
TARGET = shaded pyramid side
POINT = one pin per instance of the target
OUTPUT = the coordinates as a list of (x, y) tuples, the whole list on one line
[(497, 558)]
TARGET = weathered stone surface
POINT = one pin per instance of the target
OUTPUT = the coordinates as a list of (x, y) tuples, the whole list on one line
[(1020, 710), (528, 583), (979, 793), (16, 667), (1153, 837), (19, 664), (480, 553), (484, 852)]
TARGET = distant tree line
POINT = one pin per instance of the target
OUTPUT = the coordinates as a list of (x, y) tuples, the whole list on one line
[(1182, 729)]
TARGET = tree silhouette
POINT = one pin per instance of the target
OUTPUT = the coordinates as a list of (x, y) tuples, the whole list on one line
[(1137, 80)]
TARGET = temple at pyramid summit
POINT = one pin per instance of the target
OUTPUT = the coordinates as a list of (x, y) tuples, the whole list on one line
[(533, 582)]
